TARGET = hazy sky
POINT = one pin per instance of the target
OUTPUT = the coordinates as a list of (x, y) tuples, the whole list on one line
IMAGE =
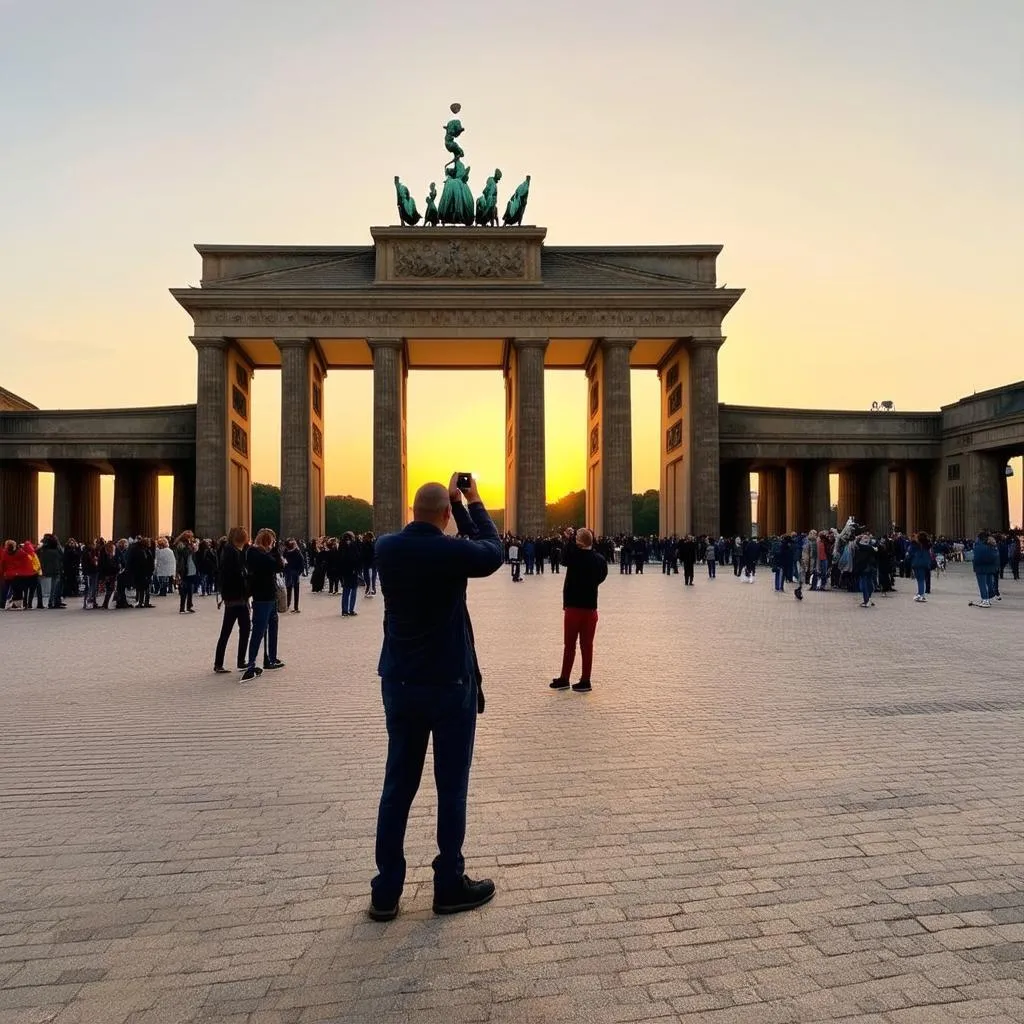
[(861, 163)]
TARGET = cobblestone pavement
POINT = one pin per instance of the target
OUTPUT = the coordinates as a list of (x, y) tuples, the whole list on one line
[(767, 811)]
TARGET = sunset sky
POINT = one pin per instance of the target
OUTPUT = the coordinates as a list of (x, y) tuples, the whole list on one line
[(861, 163)]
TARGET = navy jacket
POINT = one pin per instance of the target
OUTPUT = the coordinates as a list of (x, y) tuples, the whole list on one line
[(423, 574)]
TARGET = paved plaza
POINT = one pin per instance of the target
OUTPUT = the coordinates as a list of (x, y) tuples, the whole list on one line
[(766, 812)]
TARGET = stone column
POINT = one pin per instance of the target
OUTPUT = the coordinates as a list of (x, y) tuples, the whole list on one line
[(851, 495), (771, 501), (212, 438), (797, 499), (136, 501), (525, 490), (985, 491), (302, 439), (735, 499), (610, 440), (183, 514), (898, 498), (877, 513), (704, 466), (76, 501), (390, 500), (821, 517), (19, 502)]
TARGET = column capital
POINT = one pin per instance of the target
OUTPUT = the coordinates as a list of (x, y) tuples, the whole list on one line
[(386, 342), (627, 343), (541, 343), (705, 343), (221, 344), (283, 343)]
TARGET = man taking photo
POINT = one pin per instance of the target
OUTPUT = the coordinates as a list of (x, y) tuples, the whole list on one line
[(430, 682), (585, 571)]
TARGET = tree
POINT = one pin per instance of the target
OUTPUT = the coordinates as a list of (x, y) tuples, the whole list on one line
[(266, 507), (347, 513), (568, 511), (646, 521)]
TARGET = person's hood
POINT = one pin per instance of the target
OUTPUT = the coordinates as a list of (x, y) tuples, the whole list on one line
[(29, 547)]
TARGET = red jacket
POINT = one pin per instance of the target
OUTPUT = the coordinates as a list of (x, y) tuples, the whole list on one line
[(17, 564)]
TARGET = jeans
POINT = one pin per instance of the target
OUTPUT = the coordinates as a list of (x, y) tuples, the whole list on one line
[(53, 591), (867, 586), (370, 578), (516, 570), (233, 613), (414, 713), (581, 624), (780, 578), (822, 573), (264, 624), (291, 584), (993, 585), (185, 590), (983, 585), (92, 588), (711, 568), (921, 575), (348, 598)]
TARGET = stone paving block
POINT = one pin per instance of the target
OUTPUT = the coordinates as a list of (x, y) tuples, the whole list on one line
[(719, 832)]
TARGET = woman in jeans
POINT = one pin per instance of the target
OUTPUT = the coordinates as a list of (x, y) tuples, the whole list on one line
[(295, 565), (920, 558), (350, 562), (263, 563), (234, 591)]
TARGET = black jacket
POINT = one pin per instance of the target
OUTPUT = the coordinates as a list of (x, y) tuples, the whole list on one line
[(585, 571), (233, 578), (263, 567)]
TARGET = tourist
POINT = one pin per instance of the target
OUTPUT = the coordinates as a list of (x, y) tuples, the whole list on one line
[(18, 573), (430, 684), (164, 567), (34, 584), (555, 551), (1014, 555), (369, 565), (294, 565), (993, 583), (91, 572), (332, 567), (751, 554), (864, 563), (711, 556), (109, 568), (185, 548), (529, 555), (140, 564), (51, 558), (986, 565), (233, 587), (919, 557), (350, 562), (513, 560), (262, 564), (585, 571), (687, 551)]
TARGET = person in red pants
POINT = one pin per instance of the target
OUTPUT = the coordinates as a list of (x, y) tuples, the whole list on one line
[(585, 571)]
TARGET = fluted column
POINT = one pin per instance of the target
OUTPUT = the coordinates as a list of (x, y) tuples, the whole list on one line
[(610, 439), (19, 502), (771, 501), (136, 500), (525, 505), (76, 501), (851, 495), (212, 437), (878, 514), (985, 492), (898, 499), (734, 484), (389, 478), (302, 445), (797, 498), (704, 450), (820, 497)]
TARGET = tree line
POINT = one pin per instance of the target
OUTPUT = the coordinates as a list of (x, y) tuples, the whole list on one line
[(344, 512)]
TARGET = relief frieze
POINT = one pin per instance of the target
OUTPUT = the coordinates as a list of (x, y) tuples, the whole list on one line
[(459, 260), (399, 318)]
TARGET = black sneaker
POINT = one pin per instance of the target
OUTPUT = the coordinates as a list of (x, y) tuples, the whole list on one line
[(248, 674), (467, 895), (271, 665), (583, 686), (242, 666), (221, 670), (375, 913), (559, 684)]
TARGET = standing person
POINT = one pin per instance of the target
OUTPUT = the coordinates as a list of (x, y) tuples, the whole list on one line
[(711, 556), (555, 549), (262, 564), (332, 567), (185, 570), (51, 558), (72, 568), (233, 585), (513, 560), (1014, 553), (585, 571), (864, 563), (985, 562), (164, 566), (369, 565), (919, 556), (688, 556), (350, 562), (430, 684), (91, 572), (294, 566)]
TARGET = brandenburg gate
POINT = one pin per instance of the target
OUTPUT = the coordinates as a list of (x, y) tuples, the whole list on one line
[(451, 297)]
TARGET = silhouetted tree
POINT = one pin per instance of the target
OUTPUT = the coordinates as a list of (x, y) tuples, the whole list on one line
[(266, 507), (645, 513), (347, 513)]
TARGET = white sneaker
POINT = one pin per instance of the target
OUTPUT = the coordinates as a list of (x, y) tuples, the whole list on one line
[(985, 604), (919, 598)]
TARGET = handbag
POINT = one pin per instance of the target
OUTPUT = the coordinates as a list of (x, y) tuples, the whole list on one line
[(281, 594)]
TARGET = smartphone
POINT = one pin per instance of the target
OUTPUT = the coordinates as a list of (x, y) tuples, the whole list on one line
[(465, 482)]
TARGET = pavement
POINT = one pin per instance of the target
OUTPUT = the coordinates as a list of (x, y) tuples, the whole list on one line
[(767, 811)]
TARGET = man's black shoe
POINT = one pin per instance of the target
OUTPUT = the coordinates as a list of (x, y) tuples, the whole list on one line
[(375, 913), (583, 686), (221, 670), (249, 673), (271, 665), (559, 684), (467, 895)]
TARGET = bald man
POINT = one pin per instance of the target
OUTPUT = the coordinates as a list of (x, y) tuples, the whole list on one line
[(430, 683), (585, 571)]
